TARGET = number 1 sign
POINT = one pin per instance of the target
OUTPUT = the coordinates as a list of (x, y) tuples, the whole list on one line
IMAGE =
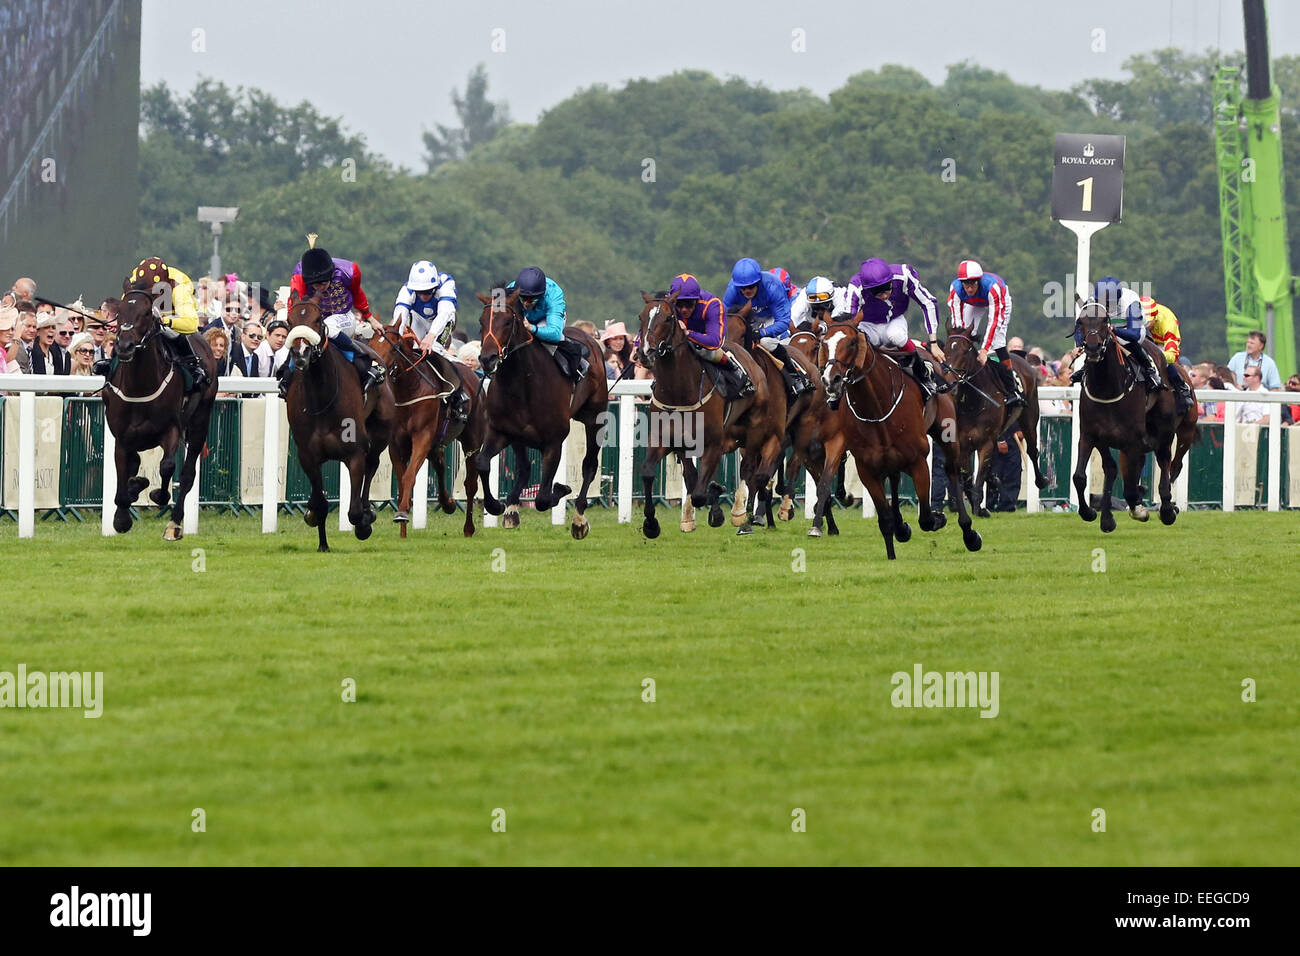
[(1087, 190)]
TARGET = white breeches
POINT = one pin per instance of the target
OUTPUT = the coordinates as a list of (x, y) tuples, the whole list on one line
[(891, 334)]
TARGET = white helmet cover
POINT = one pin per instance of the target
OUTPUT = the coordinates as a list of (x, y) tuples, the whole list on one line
[(423, 277), (820, 290)]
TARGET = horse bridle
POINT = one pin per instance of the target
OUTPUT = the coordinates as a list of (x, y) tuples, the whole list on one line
[(663, 349), (504, 349), (411, 365), (144, 339)]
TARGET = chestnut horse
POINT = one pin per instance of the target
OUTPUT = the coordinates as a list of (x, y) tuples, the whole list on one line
[(145, 406), (982, 413), (330, 421), (884, 422), (530, 403), (423, 425), (1117, 412), (682, 387)]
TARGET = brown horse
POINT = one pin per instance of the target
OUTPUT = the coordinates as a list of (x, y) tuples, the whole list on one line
[(1117, 412), (884, 422), (530, 403), (331, 421), (145, 406), (982, 414), (423, 425), (682, 388)]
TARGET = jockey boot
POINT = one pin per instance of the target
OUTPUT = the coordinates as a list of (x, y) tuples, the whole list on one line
[(372, 372), (738, 370), (191, 363), (1154, 381), (1015, 388), (458, 405), (1183, 397), (923, 374), (796, 380)]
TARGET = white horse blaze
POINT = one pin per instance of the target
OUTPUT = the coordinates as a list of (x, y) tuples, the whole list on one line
[(832, 345)]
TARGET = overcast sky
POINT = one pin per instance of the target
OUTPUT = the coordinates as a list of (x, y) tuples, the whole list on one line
[(387, 67)]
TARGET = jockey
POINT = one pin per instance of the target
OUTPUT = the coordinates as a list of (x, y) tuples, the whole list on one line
[(771, 302), (704, 318), (426, 306), (544, 312), (335, 284), (824, 301), (975, 295), (177, 312), (1123, 305), (1162, 325), (880, 293)]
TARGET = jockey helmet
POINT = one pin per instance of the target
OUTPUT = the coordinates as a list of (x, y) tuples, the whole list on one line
[(149, 273), (746, 272), (1148, 306), (969, 269), (317, 266), (423, 277), (531, 282), (875, 275), (790, 289), (685, 286), (821, 291)]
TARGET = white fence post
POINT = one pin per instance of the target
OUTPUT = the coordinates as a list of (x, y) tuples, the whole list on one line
[(420, 498), (271, 464), (494, 484), (626, 435), (559, 509), (345, 497), (190, 524), (107, 507), (1074, 448), (1275, 459), (26, 465), (809, 495), (1229, 485)]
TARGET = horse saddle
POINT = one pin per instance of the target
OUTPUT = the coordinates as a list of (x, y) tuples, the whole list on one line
[(568, 355)]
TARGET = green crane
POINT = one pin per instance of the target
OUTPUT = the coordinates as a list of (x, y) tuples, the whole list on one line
[(1258, 283)]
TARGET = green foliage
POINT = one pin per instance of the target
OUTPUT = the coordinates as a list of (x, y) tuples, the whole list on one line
[(616, 190)]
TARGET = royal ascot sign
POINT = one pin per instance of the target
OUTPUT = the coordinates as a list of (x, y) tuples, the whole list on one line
[(1088, 178)]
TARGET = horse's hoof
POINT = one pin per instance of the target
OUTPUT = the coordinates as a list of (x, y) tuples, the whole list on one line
[(1107, 523), (814, 532), (311, 518), (903, 533), (493, 507), (559, 493), (323, 549), (760, 520), (510, 521), (650, 527), (688, 526), (1168, 515), (449, 508), (832, 529), (981, 512), (939, 519), (401, 517), (746, 528), (1042, 481), (122, 521), (1087, 514), (580, 528), (715, 517), (160, 498), (971, 538), (173, 532), (1140, 513), (699, 501), (738, 518), (362, 531), (468, 531)]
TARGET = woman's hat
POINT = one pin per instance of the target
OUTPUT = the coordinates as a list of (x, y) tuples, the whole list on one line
[(80, 339), (8, 318), (47, 320), (612, 329)]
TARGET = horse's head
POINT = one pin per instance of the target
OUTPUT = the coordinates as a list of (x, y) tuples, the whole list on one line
[(1095, 325), (660, 331), (502, 327), (841, 355), (307, 331), (961, 351), (137, 322)]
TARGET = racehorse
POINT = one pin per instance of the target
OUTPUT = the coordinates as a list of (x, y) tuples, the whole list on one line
[(423, 424), (1117, 412), (331, 421), (682, 387), (145, 406), (530, 403), (982, 414), (884, 422)]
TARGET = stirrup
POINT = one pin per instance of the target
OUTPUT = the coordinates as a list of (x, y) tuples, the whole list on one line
[(458, 406)]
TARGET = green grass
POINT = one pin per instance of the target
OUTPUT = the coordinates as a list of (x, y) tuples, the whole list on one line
[(522, 690)]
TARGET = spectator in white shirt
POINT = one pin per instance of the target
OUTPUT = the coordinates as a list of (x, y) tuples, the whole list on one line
[(1253, 413)]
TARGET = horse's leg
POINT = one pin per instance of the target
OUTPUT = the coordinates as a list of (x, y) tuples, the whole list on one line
[(952, 468), (161, 496), (522, 469), (885, 515), (1080, 478), (471, 488), (649, 468), (1132, 463), (197, 433), (902, 530), (1164, 456), (688, 482), (743, 503), (1109, 471), (982, 483), (580, 527), (832, 465), (493, 445), (1029, 423), (550, 494), (317, 507), (769, 465), (419, 450), (129, 486), (358, 468), (445, 501), (399, 455), (705, 491)]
